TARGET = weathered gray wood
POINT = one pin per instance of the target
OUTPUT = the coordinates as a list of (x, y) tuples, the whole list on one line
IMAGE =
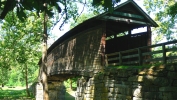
[(113, 64), (171, 49), (140, 56), (130, 56), (153, 60), (115, 58), (171, 58), (153, 52), (131, 62), (164, 54), (120, 58)]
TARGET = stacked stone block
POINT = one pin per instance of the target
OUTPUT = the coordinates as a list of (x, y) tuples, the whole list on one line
[(57, 91), (146, 83)]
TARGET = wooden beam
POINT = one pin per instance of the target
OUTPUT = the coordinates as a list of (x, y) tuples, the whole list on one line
[(129, 21), (164, 54)]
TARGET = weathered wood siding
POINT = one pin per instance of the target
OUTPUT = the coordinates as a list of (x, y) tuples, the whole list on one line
[(127, 42), (80, 52)]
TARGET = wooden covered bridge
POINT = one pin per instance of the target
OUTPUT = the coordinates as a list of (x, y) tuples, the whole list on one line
[(102, 41)]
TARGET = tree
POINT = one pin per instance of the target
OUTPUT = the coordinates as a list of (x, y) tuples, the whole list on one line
[(46, 7), (38, 6), (173, 10), (82, 18), (166, 22), (19, 44)]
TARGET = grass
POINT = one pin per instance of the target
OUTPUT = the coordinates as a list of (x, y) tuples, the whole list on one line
[(19, 93), (13, 93), (70, 94)]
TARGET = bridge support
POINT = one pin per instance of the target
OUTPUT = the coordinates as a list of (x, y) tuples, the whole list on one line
[(130, 84), (57, 91)]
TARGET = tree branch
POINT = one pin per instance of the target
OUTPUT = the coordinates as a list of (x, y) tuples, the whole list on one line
[(65, 14), (81, 11), (10, 4)]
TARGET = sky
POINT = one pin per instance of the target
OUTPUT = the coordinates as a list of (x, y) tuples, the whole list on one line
[(58, 33)]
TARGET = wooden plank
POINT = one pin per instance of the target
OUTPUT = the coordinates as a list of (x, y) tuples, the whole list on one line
[(131, 62), (130, 56), (171, 58), (113, 64), (140, 56), (153, 52), (166, 43), (115, 58), (128, 51), (145, 47), (171, 49), (120, 58), (153, 59), (112, 54)]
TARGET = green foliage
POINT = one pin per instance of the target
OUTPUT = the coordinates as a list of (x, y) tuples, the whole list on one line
[(82, 18), (32, 5), (107, 4), (74, 82), (160, 10), (173, 10), (84, 15), (61, 6), (19, 44)]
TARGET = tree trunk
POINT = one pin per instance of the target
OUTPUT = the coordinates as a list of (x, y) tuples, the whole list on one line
[(26, 78), (71, 84), (44, 59)]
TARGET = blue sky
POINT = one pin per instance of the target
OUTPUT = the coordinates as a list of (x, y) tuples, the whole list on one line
[(57, 33)]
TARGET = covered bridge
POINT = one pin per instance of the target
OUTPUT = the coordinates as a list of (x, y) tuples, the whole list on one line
[(83, 50)]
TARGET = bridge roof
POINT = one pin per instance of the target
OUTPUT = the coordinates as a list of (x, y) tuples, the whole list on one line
[(128, 10), (128, 13)]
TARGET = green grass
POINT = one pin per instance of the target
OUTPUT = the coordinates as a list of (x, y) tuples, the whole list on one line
[(13, 93)]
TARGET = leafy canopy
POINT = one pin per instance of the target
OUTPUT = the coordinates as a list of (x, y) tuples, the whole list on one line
[(47, 5), (164, 13)]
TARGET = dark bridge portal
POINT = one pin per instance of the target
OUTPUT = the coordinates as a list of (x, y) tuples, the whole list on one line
[(82, 51)]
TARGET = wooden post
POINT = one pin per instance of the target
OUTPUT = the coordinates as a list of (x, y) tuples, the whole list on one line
[(149, 42), (120, 58), (149, 36), (164, 54), (106, 59), (103, 44), (129, 38), (139, 56), (129, 32)]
